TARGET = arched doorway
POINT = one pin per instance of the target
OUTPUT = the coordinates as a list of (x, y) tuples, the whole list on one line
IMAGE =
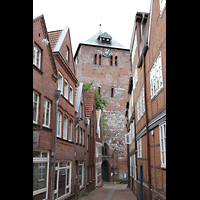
[(104, 170)]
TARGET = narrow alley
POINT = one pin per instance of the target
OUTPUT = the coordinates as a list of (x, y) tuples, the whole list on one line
[(111, 192)]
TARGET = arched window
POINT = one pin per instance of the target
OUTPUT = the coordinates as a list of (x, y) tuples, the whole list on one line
[(115, 60)]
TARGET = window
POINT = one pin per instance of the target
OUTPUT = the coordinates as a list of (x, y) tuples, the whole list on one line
[(67, 54), (112, 92), (140, 104), (47, 113), (59, 124), (162, 5), (35, 107), (60, 82), (37, 57), (87, 142), (156, 79), (76, 139), (139, 148), (66, 89), (71, 95), (80, 134), (83, 131), (162, 131), (81, 173), (70, 130), (99, 59), (115, 60), (99, 90), (62, 185), (65, 128), (95, 59), (81, 110), (40, 174), (134, 47), (111, 61)]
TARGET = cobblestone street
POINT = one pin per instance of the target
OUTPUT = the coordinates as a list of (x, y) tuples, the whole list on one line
[(111, 192)]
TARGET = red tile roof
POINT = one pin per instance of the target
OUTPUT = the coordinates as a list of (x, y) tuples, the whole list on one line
[(89, 99), (53, 36)]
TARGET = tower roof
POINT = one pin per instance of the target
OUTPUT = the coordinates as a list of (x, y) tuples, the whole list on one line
[(102, 40)]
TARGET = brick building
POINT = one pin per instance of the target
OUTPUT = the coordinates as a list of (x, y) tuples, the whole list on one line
[(105, 63), (80, 142), (66, 83), (91, 139), (98, 150), (44, 71), (146, 106)]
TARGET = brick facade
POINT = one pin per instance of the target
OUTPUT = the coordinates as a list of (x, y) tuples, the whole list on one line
[(111, 79), (148, 110)]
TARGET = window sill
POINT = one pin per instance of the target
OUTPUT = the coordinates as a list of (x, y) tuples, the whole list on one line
[(37, 69)]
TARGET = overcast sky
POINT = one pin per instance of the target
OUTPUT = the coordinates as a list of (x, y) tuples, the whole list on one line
[(84, 16)]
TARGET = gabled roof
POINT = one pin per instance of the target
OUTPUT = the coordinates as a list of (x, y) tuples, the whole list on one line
[(89, 99), (54, 35), (42, 20), (57, 37)]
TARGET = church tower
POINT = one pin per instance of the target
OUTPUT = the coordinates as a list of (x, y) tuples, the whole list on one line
[(106, 63)]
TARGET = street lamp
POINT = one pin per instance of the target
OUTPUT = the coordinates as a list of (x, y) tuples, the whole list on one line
[(57, 94)]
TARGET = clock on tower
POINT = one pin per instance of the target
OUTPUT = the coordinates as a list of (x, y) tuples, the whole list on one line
[(106, 53)]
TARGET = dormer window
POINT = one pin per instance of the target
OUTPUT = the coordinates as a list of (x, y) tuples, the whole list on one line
[(105, 38)]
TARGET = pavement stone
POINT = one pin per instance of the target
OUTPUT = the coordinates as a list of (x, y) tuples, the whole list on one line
[(111, 192)]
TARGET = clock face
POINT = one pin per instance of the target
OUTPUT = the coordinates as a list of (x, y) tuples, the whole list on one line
[(106, 52)]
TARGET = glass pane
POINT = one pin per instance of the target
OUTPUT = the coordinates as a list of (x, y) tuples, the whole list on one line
[(62, 182), (80, 174), (63, 164), (39, 175), (68, 176), (36, 153)]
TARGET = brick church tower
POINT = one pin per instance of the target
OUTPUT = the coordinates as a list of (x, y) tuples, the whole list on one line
[(106, 63)]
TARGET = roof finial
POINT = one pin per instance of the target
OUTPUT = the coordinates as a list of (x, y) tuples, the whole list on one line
[(100, 24), (100, 27)]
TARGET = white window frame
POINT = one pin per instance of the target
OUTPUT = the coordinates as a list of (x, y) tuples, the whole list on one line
[(68, 166), (134, 47), (65, 126), (42, 159), (140, 104), (67, 54), (139, 148), (80, 136), (76, 136), (37, 57), (83, 137), (46, 122), (162, 133), (156, 76), (60, 82), (70, 129), (37, 105), (66, 89), (82, 173), (59, 124)]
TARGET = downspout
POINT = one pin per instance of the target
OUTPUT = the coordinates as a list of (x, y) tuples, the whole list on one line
[(147, 131), (58, 93)]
